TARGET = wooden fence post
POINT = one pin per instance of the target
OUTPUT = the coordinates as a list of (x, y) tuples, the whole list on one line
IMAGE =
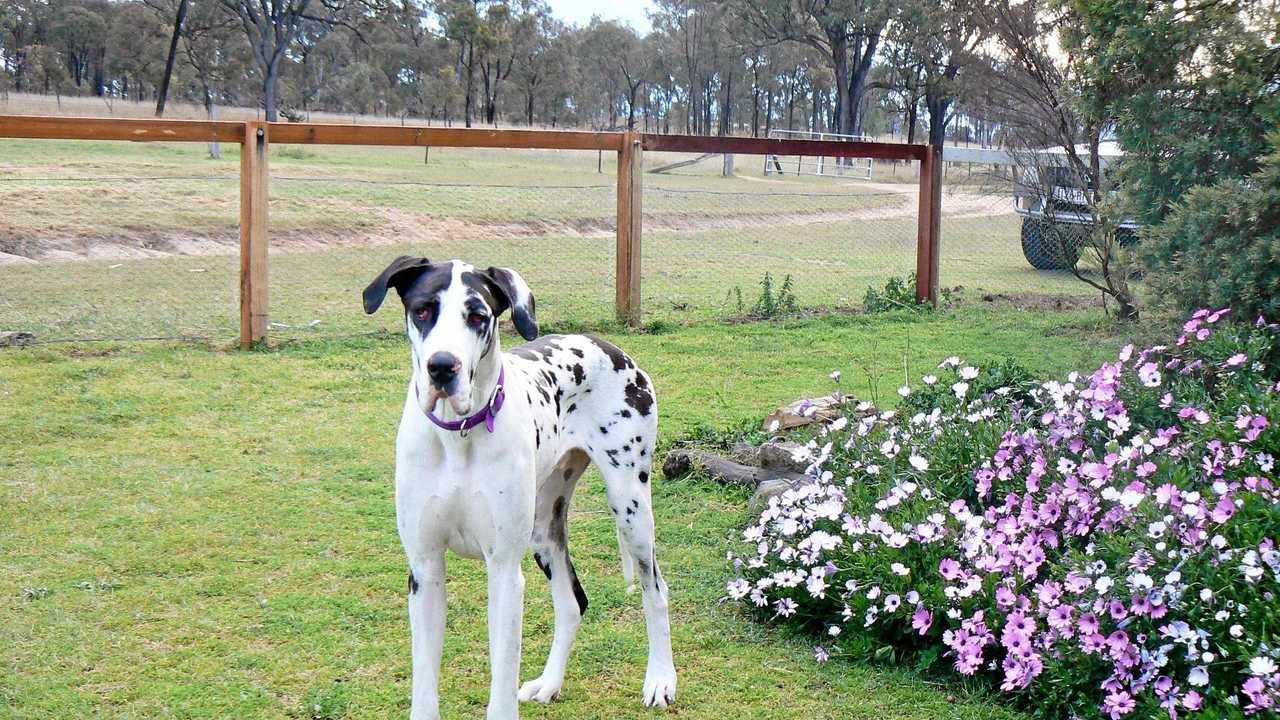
[(253, 235), (929, 230), (630, 213)]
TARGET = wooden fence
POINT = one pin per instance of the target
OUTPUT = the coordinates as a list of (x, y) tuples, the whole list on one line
[(256, 137)]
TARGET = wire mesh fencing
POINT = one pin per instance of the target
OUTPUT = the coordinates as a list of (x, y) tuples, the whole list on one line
[(991, 252), (123, 241), (556, 226), (115, 241), (111, 240), (755, 245)]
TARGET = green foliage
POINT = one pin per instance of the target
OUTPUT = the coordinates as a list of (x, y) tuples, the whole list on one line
[(897, 294), (1220, 247), (773, 302)]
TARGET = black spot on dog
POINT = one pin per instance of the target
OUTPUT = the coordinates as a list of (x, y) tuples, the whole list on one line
[(413, 584), (646, 568), (644, 476), (578, 593), (571, 408), (556, 527), (604, 430), (577, 351), (625, 413), (542, 565), (578, 374), (617, 357), (568, 474), (639, 397)]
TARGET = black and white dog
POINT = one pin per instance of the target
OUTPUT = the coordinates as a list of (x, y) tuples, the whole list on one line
[(491, 445)]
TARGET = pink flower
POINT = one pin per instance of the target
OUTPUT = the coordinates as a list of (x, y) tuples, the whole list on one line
[(950, 569), (921, 620), (1118, 704)]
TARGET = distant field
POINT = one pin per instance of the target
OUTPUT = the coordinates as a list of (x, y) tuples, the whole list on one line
[(146, 234)]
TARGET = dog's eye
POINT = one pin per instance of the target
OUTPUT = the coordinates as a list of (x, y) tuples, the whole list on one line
[(426, 313), (476, 319)]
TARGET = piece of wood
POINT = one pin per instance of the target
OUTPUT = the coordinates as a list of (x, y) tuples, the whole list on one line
[(774, 146), (929, 226), (682, 163), (73, 128), (395, 135), (630, 215), (253, 234)]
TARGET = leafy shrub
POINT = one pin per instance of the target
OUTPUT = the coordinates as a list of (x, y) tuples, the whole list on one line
[(897, 294), (1101, 546), (772, 302), (1220, 246)]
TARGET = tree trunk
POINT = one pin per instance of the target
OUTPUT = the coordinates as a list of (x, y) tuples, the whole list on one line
[(841, 67), (937, 106), (471, 85), (863, 58), (173, 54), (269, 92)]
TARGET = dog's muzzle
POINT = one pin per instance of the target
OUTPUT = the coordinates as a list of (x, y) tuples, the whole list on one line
[(443, 369)]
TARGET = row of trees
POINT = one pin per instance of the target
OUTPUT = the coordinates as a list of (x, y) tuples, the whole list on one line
[(708, 66)]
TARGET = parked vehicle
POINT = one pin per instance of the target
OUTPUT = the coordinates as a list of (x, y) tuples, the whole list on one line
[(1056, 218)]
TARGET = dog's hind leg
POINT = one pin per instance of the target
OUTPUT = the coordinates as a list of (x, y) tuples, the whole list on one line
[(551, 552), (627, 485)]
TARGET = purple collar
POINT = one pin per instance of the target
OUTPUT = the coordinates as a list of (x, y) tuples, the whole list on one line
[(485, 415)]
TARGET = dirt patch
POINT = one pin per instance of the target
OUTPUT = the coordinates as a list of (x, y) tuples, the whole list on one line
[(1039, 301)]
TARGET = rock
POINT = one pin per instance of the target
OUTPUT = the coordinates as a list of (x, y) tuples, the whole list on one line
[(783, 455), (768, 489), (807, 411), (16, 338)]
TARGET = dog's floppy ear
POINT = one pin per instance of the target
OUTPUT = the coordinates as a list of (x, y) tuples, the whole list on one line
[(519, 297), (402, 271)]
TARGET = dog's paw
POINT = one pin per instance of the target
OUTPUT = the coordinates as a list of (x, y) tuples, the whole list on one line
[(540, 690), (660, 688)]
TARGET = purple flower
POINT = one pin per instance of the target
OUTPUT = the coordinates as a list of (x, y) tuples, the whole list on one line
[(921, 620), (950, 569), (1118, 704)]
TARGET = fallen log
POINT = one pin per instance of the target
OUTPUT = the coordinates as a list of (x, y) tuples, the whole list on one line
[(682, 163)]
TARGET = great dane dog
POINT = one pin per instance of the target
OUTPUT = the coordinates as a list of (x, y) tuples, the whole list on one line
[(490, 448)]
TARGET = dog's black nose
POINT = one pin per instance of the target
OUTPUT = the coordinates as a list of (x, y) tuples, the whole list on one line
[(442, 367)]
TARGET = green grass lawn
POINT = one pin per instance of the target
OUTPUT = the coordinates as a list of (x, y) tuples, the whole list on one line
[(198, 533)]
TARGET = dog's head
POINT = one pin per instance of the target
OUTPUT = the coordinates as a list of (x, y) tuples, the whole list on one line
[(451, 317)]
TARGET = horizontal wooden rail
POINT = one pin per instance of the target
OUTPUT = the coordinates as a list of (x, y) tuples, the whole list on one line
[(775, 146), (396, 135), (73, 128)]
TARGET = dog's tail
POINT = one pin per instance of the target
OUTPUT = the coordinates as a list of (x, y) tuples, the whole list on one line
[(628, 564)]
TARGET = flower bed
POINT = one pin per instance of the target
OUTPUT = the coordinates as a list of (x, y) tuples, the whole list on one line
[(1101, 546)]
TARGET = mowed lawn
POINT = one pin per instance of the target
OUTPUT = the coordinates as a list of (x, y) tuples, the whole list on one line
[(194, 532)]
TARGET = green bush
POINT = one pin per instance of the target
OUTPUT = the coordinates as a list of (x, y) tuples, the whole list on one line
[(1220, 247)]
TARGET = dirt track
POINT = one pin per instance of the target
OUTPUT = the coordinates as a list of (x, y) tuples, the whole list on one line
[(399, 226)]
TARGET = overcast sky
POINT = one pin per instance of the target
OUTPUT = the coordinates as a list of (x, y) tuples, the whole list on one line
[(579, 12)]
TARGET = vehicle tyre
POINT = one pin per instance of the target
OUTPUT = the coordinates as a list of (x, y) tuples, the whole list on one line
[(1050, 248)]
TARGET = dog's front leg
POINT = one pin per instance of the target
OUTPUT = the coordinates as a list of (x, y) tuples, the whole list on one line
[(426, 627), (506, 614)]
